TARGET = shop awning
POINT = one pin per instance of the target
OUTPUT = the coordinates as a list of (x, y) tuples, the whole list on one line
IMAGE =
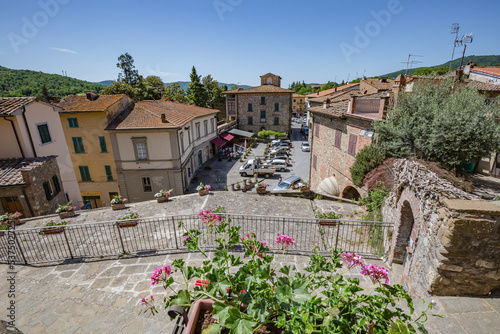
[(219, 142), (226, 136), (241, 133)]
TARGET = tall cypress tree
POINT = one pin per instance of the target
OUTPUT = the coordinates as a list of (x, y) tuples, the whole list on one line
[(197, 93)]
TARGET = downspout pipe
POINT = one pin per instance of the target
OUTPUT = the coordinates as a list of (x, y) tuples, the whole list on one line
[(180, 161), (17, 137), (29, 132)]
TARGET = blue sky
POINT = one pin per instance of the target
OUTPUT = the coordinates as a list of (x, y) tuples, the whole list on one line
[(239, 40)]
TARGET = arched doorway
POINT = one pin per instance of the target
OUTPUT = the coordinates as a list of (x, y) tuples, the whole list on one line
[(404, 234), (351, 193)]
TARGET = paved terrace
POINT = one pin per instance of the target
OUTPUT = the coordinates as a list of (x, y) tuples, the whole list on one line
[(103, 296)]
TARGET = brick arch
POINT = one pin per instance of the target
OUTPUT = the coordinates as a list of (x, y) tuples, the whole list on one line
[(408, 221), (350, 192)]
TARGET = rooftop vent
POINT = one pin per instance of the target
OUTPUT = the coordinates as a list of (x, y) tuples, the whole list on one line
[(91, 96)]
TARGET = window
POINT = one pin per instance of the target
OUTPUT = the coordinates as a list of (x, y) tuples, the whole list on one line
[(276, 121), (140, 148), (52, 187), (212, 127), (109, 174), (102, 143), (205, 126), (146, 185), (262, 116), (84, 173), (315, 158), (78, 145), (250, 107), (293, 100), (189, 137), (353, 141), (316, 130), (43, 132), (200, 158), (338, 138), (250, 120), (73, 122), (276, 106), (263, 100), (181, 137), (197, 130)]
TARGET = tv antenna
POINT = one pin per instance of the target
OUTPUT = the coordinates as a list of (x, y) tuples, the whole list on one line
[(455, 27), (465, 39), (410, 62), (348, 74)]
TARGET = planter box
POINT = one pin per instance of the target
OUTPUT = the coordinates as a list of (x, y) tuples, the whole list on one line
[(200, 304), (261, 190), (120, 206), (52, 230), (203, 192), (68, 214), (129, 223), (162, 199), (325, 222), (305, 189)]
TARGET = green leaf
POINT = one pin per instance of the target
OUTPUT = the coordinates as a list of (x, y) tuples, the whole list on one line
[(213, 329), (300, 293), (183, 298), (226, 314), (242, 326), (285, 270)]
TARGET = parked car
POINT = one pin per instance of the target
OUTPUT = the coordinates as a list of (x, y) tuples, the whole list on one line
[(282, 149), (281, 140), (280, 145), (288, 183), (279, 164), (305, 147), (279, 157)]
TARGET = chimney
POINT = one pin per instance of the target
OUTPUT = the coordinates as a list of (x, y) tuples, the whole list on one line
[(163, 119), (352, 105), (335, 88), (91, 96), (383, 79)]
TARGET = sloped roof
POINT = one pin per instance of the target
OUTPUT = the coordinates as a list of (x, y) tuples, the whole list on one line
[(269, 73), (9, 105), (147, 115), (260, 89), (488, 70), (80, 103), (10, 169), (332, 90), (298, 95), (483, 86), (380, 85)]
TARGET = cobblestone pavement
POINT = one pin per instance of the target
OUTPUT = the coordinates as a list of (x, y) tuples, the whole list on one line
[(104, 296)]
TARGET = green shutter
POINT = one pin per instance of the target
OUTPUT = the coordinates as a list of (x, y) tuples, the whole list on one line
[(43, 130), (57, 186), (78, 145), (73, 122), (46, 187), (84, 172), (102, 142), (109, 173)]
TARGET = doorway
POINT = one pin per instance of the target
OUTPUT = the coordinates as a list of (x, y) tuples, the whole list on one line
[(12, 204), (495, 171), (95, 201)]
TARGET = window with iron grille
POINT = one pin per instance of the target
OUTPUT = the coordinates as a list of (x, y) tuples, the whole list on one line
[(146, 185)]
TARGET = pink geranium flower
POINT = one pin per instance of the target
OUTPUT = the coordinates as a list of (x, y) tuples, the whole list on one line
[(161, 274)]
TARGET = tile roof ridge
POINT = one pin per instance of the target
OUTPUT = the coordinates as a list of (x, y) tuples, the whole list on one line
[(155, 114)]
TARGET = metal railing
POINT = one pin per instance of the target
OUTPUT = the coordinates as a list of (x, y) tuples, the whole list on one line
[(156, 235)]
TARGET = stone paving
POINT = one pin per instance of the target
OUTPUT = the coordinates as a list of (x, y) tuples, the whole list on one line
[(104, 296)]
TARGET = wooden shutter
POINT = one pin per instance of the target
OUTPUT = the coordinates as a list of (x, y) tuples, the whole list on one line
[(316, 130), (353, 140), (314, 161), (338, 138), (46, 187), (57, 186)]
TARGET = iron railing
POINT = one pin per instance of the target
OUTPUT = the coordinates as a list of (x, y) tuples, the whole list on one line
[(156, 235)]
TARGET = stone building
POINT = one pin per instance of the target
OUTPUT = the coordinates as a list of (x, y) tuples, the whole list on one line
[(318, 98), (265, 107), (160, 145), (31, 186), (339, 131), (298, 105)]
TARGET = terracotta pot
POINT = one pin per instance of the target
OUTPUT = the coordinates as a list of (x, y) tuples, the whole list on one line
[(162, 199), (120, 206), (68, 214), (200, 304), (305, 189), (261, 190), (53, 230), (203, 192), (327, 222), (129, 223)]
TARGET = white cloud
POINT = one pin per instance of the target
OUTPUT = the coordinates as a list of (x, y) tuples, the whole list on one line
[(159, 72), (64, 50)]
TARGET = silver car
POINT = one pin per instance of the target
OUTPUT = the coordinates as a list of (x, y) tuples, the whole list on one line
[(288, 183), (305, 147)]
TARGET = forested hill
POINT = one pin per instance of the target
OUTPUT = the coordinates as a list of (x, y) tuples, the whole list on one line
[(30, 83), (493, 60)]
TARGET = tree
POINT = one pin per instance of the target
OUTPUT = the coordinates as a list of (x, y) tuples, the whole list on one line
[(129, 74), (44, 95), (174, 92), (446, 122), (215, 99), (196, 91), (368, 158)]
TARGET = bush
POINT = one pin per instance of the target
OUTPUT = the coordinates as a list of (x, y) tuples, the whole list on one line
[(267, 133), (367, 159), (374, 202)]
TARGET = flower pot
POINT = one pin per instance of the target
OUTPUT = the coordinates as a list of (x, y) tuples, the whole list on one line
[(68, 214), (120, 206), (261, 190), (305, 189), (162, 199), (199, 305), (52, 230), (203, 192), (129, 223)]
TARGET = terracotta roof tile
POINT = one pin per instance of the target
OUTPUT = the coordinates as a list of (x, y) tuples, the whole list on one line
[(332, 90), (147, 114), (10, 169), (335, 109), (378, 84), (298, 95), (80, 103), (9, 105), (260, 89), (488, 70), (483, 86)]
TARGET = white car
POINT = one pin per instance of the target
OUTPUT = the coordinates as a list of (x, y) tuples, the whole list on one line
[(279, 164), (305, 147)]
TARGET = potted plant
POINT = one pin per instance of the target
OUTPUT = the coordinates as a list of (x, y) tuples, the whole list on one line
[(203, 189), (129, 220), (118, 202), (53, 227), (304, 186), (330, 217), (4, 227), (261, 188), (14, 217), (66, 211), (250, 293), (162, 195)]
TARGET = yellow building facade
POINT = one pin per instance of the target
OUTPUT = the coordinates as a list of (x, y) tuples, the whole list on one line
[(84, 122), (298, 105)]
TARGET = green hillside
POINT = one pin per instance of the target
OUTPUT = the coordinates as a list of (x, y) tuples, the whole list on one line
[(492, 60), (29, 83)]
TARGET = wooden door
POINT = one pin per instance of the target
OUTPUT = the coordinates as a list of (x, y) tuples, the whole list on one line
[(12, 204)]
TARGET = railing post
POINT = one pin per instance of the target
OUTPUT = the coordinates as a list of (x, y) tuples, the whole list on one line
[(67, 243), (19, 246), (283, 226), (175, 234), (337, 238), (120, 235)]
